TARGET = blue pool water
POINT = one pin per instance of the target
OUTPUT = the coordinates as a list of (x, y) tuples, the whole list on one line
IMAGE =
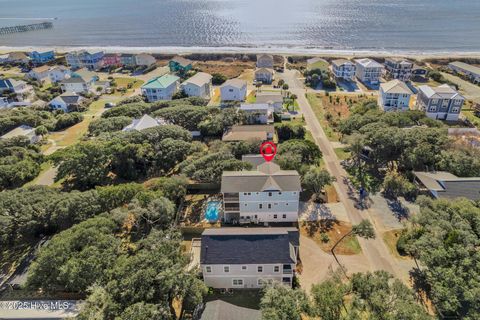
[(212, 211)]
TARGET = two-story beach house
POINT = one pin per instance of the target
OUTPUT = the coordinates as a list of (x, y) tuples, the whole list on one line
[(394, 95), (257, 113), (264, 75), (42, 57), (265, 61), (111, 60), (471, 72), (248, 257), (81, 81), (180, 65), (200, 85), (18, 57), (234, 90), (400, 69), (161, 88), (19, 87), (343, 69), (267, 194), (40, 73), (128, 60), (442, 102), (368, 71), (59, 73), (85, 59), (273, 99), (145, 60)]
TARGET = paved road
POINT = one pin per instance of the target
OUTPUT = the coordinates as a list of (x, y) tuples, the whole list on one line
[(375, 250)]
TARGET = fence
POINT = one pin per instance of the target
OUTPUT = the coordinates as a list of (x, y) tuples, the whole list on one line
[(26, 28)]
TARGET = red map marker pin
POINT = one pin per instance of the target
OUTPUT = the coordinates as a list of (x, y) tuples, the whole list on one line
[(268, 150)]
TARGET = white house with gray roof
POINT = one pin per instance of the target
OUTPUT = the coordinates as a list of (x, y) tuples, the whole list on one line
[(368, 71), (144, 122), (343, 69), (394, 95), (161, 88), (257, 113), (267, 194), (248, 258), (274, 99), (66, 102), (200, 85), (234, 90), (442, 102)]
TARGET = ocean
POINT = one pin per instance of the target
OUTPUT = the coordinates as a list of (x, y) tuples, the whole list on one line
[(388, 25)]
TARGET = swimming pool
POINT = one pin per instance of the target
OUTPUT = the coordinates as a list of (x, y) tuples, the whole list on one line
[(212, 212)]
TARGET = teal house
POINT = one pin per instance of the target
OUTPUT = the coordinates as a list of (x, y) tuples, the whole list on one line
[(161, 88), (180, 65)]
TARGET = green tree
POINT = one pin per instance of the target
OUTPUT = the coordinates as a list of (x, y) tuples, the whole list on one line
[(83, 165), (218, 79), (280, 302), (316, 179), (76, 258), (328, 297)]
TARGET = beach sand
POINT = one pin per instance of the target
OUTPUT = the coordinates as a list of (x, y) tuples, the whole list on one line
[(418, 55)]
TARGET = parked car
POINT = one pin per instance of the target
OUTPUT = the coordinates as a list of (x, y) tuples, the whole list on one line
[(110, 105)]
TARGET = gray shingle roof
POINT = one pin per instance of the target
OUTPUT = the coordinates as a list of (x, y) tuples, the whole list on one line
[(221, 310), (267, 177), (263, 97), (248, 245), (446, 185)]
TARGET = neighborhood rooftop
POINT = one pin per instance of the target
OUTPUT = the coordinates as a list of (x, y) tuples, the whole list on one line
[(267, 97), (182, 61), (467, 67), (161, 82), (248, 132), (248, 245), (268, 176), (441, 92), (238, 83), (369, 63), (199, 79), (446, 185), (396, 86)]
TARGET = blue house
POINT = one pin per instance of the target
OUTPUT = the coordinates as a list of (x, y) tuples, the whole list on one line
[(180, 65), (42, 57)]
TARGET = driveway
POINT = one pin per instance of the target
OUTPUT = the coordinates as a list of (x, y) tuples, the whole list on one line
[(317, 264)]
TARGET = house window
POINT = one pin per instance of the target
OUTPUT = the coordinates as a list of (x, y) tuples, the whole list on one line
[(249, 193), (259, 268), (245, 204), (244, 193), (269, 194), (208, 269), (260, 206), (226, 269), (237, 282), (274, 216), (286, 204), (269, 206), (263, 282), (284, 216), (455, 109), (280, 193), (276, 269), (256, 217), (244, 268)]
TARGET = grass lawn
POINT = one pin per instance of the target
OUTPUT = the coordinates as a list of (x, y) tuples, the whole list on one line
[(320, 64), (251, 98), (74, 133), (468, 113), (334, 230), (318, 109), (390, 238), (124, 82), (43, 167), (342, 153), (243, 298)]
